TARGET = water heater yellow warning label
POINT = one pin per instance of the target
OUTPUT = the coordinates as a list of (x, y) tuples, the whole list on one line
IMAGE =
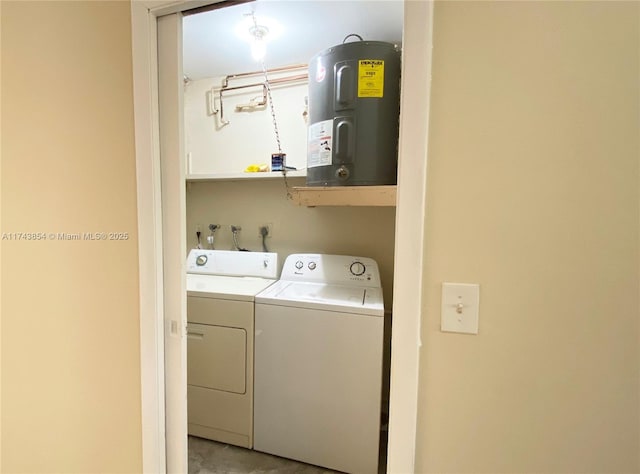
[(371, 78)]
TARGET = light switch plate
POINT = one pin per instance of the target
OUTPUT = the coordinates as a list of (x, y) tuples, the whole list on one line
[(460, 307)]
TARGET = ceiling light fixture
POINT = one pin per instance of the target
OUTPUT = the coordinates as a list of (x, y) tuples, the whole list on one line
[(258, 32), (259, 35)]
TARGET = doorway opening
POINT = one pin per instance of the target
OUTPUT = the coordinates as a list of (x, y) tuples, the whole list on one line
[(233, 123), (161, 184)]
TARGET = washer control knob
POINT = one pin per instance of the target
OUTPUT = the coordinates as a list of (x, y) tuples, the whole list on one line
[(357, 268), (312, 265), (201, 260), (299, 264)]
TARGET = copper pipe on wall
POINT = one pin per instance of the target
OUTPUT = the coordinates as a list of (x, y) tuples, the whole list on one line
[(292, 67), (281, 80)]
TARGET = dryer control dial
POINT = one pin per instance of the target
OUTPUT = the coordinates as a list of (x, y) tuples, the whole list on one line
[(312, 265), (201, 260), (357, 268), (299, 264)]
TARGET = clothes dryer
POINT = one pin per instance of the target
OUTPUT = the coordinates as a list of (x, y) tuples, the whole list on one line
[(221, 286)]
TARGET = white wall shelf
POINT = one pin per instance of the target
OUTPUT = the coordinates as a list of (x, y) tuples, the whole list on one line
[(244, 176), (344, 196)]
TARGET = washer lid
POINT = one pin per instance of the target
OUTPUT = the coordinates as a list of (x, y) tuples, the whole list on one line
[(223, 287), (326, 297)]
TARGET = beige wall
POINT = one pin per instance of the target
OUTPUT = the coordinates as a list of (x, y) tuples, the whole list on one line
[(70, 323), (533, 193)]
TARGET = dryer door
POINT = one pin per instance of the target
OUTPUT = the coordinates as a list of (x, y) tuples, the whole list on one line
[(216, 357)]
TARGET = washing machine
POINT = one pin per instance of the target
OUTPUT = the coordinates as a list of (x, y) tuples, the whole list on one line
[(221, 287), (318, 363)]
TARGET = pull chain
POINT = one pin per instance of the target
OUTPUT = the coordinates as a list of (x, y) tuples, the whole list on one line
[(273, 118), (272, 108)]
